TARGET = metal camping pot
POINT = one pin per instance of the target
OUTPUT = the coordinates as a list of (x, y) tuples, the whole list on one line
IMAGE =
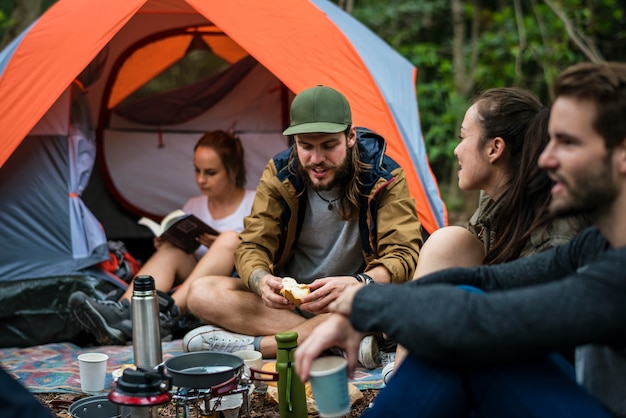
[(94, 407), (204, 369)]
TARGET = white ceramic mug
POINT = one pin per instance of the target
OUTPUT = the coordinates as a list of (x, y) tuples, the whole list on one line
[(251, 359)]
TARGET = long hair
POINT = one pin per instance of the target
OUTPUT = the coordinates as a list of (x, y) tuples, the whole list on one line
[(517, 116), (349, 186), (230, 151)]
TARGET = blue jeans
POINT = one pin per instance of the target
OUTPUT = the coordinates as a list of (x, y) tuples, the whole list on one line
[(542, 388), (539, 388)]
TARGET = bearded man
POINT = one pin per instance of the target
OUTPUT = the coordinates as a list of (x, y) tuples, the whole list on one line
[(331, 211)]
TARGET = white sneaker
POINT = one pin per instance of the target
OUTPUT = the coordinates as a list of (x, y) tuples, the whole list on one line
[(369, 356), (387, 372), (212, 338)]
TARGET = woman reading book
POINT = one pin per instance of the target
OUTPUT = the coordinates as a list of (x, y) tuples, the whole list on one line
[(224, 202)]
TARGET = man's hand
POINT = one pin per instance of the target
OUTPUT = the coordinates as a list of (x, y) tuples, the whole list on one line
[(325, 291), (268, 287), (336, 331), (343, 304), (270, 293)]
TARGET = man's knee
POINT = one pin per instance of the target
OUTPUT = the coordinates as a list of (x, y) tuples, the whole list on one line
[(207, 288)]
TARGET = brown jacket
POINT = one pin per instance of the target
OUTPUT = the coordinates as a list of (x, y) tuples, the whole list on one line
[(388, 223)]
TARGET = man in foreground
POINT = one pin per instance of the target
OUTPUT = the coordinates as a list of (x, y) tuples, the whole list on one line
[(487, 352), (330, 211)]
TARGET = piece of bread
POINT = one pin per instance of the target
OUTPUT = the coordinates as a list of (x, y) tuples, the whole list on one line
[(294, 291), (117, 373)]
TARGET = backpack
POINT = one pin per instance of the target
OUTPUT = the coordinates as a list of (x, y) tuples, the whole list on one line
[(120, 263)]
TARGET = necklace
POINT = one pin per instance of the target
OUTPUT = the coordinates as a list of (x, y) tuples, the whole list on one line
[(330, 202)]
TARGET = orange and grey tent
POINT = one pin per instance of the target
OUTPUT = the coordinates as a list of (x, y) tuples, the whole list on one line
[(68, 89)]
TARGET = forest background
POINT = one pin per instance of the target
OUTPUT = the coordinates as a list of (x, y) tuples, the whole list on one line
[(460, 49)]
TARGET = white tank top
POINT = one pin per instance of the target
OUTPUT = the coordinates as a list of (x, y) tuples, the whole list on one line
[(199, 206)]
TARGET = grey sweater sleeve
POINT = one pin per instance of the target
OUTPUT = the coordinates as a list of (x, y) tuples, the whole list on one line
[(571, 295)]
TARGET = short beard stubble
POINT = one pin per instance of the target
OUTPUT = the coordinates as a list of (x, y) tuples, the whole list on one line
[(590, 195)]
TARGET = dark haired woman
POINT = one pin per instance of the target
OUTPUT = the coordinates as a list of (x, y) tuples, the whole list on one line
[(501, 138)]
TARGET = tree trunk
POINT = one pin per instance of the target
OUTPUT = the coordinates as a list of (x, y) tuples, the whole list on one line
[(463, 82), (346, 5)]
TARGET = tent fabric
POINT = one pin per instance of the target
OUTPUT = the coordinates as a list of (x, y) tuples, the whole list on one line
[(152, 58), (42, 62), (87, 236), (46, 228), (49, 143), (252, 108), (185, 103)]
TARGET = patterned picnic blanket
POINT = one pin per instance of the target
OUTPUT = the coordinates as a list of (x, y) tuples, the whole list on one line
[(54, 367)]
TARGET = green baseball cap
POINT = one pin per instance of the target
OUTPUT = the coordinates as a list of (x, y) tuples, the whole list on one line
[(319, 109)]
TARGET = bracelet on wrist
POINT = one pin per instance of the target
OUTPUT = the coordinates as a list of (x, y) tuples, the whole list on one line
[(363, 278)]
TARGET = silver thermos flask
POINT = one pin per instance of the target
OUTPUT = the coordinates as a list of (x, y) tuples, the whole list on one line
[(146, 324)]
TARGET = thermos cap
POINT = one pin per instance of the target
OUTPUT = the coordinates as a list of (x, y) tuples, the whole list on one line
[(143, 283)]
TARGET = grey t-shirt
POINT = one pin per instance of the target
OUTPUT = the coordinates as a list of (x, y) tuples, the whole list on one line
[(327, 245)]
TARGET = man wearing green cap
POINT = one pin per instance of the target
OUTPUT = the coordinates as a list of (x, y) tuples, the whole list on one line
[(331, 211)]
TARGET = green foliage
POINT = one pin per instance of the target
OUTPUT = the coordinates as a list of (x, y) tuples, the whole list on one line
[(399, 22), (6, 10), (4, 21), (437, 100), (531, 58)]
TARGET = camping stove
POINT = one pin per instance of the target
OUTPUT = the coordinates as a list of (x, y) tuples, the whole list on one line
[(200, 403)]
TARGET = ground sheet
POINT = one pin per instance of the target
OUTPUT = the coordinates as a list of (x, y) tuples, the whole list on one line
[(54, 367)]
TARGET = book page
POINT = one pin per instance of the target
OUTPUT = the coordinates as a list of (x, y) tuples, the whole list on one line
[(167, 221), (170, 219), (152, 225)]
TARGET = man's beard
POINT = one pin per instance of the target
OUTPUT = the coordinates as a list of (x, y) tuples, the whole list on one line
[(589, 195), (343, 173)]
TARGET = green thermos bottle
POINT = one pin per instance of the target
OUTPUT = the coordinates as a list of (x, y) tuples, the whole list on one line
[(291, 394)]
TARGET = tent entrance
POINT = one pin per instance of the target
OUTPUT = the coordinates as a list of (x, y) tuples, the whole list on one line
[(163, 93)]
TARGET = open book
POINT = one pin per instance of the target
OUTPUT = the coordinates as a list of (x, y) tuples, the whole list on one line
[(180, 229)]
